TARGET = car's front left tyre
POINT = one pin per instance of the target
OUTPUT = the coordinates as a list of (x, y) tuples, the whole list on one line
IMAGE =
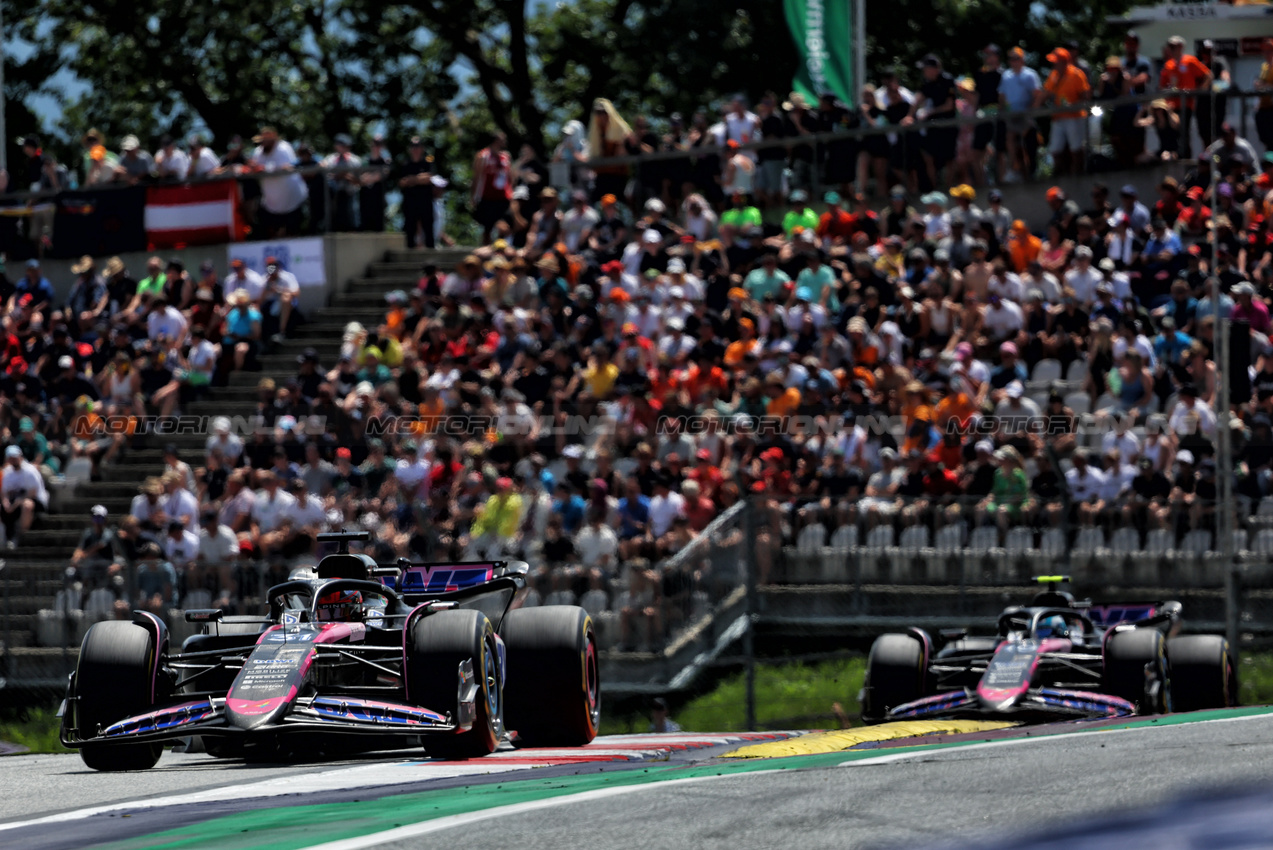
[(115, 679)]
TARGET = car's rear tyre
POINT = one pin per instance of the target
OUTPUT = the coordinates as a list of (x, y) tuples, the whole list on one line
[(554, 682), (1202, 673), (895, 674), (115, 679), (1130, 658), (439, 644)]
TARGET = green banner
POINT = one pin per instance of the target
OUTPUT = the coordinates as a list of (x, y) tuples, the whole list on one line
[(823, 32)]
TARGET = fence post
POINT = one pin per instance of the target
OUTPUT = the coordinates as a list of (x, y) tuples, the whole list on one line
[(749, 648)]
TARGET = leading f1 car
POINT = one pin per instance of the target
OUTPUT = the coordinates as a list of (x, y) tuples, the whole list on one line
[(360, 656), (1053, 659)]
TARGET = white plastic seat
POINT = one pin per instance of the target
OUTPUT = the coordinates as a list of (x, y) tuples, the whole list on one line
[(880, 537), (1105, 402), (1089, 539), (1196, 542), (100, 605), (983, 539), (950, 537), (1240, 541), (1046, 371), (1125, 541), (1077, 371), (1053, 543), (845, 537), (811, 538), (1263, 543), (914, 537), (1019, 540)]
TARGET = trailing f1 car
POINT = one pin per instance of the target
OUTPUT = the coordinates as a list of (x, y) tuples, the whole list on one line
[(358, 656), (1053, 659)]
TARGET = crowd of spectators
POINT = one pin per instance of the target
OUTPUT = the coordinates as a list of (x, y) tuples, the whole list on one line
[(286, 193), (598, 383)]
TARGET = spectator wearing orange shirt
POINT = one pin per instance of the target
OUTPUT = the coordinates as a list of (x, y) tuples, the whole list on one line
[(1187, 73), (783, 401), (1065, 86), (1023, 246)]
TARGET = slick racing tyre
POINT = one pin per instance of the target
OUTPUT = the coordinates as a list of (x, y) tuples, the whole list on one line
[(1202, 673), (895, 674), (1136, 670), (115, 680), (439, 644), (554, 686)]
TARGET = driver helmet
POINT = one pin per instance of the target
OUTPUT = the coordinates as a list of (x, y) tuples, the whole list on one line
[(340, 606), (1053, 626)]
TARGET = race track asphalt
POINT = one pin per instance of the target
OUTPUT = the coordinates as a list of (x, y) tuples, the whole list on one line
[(955, 795)]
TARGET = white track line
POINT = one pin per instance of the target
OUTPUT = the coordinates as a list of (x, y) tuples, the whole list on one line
[(452, 821)]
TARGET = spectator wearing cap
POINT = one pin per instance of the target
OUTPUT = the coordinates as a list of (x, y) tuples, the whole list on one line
[(836, 226), (280, 299), (343, 184), (1019, 88), (1138, 71), (936, 219), (1195, 216), (1065, 86), (1185, 72), (414, 176), (1212, 107), (135, 165), (496, 522), (87, 299), (22, 495), (94, 553), (1247, 308), (34, 284)]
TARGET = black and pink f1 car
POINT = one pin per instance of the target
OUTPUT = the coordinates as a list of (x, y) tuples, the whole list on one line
[(359, 657), (1056, 658)]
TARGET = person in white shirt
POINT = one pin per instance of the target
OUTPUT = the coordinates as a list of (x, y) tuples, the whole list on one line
[(230, 446), (179, 503), (596, 543), (742, 125), (675, 343), (1082, 278), (1118, 479), (242, 277), (578, 222), (171, 162), (165, 322), (22, 494), (180, 545), (1002, 319), (146, 506), (282, 293), (238, 503), (1121, 282), (202, 160), (218, 551), (283, 193), (1085, 484), (344, 186), (665, 506), (271, 503), (595, 601), (1192, 415), (1121, 441), (305, 512)]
